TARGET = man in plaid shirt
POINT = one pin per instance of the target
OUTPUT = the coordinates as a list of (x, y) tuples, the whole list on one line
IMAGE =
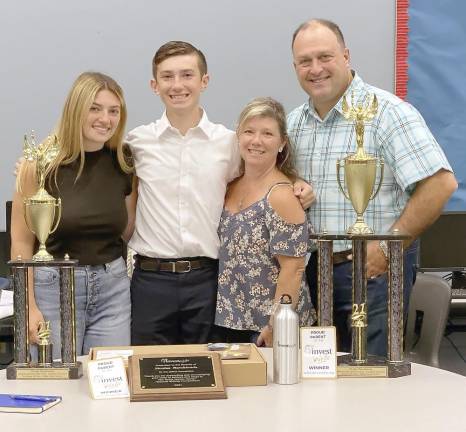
[(418, 179)]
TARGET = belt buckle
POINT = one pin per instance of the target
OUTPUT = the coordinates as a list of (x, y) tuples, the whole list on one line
[(182, 271)]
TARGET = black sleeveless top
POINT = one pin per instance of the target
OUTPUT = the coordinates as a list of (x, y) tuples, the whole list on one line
[(93, 209)]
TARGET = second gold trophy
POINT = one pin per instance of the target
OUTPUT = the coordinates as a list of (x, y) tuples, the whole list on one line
[(360, 167)]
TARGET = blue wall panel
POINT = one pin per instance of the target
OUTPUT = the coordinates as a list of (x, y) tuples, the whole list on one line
[(437, 78)]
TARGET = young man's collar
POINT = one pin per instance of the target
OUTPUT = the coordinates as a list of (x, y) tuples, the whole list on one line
[(204, 125)]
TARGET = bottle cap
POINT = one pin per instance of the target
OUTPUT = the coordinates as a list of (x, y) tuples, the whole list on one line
[(285, 299)]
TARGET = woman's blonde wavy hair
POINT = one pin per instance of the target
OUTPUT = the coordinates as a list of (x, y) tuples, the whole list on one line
[(69, 130)]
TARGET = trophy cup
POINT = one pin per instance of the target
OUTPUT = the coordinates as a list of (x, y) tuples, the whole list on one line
[(42, 214), (360, 167), (42, 211)]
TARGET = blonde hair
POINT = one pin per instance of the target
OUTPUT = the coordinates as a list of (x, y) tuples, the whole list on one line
[(270, 108), (69, 130)]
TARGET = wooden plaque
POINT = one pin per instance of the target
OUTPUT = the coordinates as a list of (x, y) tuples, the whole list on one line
[(175, 377)]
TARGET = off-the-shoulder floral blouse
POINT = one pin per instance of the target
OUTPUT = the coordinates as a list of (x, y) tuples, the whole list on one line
[(248, 269)]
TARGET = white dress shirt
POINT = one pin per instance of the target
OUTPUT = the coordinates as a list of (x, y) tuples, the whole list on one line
[(182, 184)]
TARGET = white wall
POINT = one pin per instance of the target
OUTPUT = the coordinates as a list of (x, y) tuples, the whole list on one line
[(45, 44)]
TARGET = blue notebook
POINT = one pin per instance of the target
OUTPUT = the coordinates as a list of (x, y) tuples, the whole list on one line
[(32, 404)]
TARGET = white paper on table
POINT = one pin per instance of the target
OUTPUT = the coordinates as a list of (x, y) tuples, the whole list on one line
[(318, 352), (6, 303), (107, 378)]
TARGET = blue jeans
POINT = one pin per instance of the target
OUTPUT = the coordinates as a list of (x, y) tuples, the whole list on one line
[(103, 305), (377, 301)]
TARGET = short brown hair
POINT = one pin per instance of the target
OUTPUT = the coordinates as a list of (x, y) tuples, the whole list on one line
[(178, 48), (323, 22), (270, 108)]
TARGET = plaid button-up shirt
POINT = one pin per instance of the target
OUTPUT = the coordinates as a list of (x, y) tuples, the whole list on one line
[(398, 134)]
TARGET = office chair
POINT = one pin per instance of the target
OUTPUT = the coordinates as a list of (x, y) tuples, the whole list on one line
[(428, 311)]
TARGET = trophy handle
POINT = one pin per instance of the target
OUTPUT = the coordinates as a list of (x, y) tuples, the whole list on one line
[(57, 204), (381, 165), (26, 218), (339, 164)]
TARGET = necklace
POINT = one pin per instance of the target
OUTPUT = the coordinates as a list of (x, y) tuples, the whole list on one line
[(241, 200), (244, 193)]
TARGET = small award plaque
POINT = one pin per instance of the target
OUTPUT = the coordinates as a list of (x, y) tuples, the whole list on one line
[(175, 377), (110, 353), (107, 378), (318, 352)]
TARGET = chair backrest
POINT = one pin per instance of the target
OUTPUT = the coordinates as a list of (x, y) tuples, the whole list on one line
[(429, 306)]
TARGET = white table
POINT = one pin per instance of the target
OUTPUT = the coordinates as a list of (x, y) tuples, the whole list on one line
[(428, 400)]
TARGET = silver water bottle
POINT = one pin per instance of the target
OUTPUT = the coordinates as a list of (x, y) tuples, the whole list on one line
[(285, 342)]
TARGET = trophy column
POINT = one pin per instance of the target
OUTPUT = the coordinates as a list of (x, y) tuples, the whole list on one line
[(395, 308), (325, 283), (21, 316), (359, 312), (68, 316)]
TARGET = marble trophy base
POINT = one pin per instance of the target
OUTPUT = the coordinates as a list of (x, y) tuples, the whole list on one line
[(57, 371), (374, 367)]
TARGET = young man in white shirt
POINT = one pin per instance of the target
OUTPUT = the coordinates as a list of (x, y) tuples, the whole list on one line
[(183, 163)]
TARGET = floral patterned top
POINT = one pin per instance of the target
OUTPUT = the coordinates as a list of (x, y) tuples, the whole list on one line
[(248, 273)]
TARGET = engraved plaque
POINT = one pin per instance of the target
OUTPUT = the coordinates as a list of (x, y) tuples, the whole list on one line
[(175, 372), (175, 377)]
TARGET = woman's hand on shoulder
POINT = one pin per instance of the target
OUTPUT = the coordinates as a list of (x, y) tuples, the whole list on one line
[(22, 239), (18, 164), (283, 200)]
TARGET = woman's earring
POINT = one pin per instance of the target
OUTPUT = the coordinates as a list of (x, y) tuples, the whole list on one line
[(280, 149)]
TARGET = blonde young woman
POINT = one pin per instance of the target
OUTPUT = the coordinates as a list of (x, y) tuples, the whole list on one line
[(263, 232), (92, 177)]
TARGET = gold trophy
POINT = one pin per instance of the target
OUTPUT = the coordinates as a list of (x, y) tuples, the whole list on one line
[(360, 167), (360, 180), (42, 211)]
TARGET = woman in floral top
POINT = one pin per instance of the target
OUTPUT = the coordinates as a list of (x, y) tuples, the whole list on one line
[(263, 232)]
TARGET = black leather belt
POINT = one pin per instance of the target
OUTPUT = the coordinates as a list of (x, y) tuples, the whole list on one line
[(181, 265), (341, 257)]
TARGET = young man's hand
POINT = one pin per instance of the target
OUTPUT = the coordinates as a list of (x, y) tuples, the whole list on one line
[(304, 192), (18, 164)]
